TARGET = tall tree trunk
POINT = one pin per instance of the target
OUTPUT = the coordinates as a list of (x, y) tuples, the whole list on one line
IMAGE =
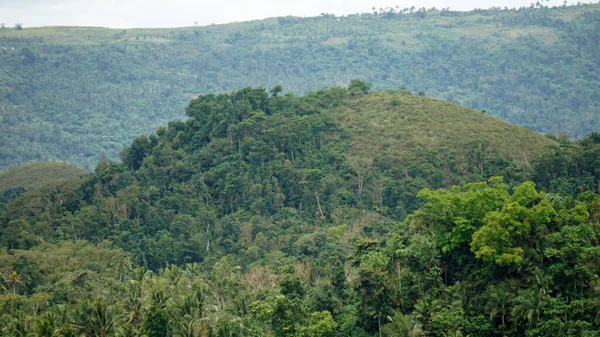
[(319, 204), (207, 236), (379, 322)]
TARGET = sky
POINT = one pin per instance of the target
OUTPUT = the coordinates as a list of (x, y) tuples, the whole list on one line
[(178, 13)]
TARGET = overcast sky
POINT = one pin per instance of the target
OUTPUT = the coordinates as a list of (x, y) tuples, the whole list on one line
[(177, 13)]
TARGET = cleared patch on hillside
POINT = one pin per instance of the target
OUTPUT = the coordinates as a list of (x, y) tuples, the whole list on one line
[(35, 175), (408, 126)]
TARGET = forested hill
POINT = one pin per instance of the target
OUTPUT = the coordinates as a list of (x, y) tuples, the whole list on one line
[(76, 94), (338, 213)]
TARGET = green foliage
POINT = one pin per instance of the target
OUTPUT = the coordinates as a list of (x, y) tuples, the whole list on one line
[(76, 94), (358, 86), (570, 168), (270, 215)]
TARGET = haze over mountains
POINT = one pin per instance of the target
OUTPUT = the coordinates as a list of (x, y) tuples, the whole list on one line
[(77, 94), (154, 13)]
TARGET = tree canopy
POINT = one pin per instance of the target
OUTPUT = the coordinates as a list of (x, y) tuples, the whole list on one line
[(264, 215)]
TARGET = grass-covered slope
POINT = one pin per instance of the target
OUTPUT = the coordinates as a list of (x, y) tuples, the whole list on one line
[(409, 126), (34, 175), (76, 94)]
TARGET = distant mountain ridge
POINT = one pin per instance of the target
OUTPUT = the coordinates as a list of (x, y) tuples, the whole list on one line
[(76, 94)]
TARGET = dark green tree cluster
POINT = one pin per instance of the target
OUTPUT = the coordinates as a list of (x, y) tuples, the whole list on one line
[(570, 168)]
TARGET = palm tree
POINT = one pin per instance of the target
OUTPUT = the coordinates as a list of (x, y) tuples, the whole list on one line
[(225, 281), (122, 265), (423, 310), (127, 330), (187, 327), (20, 325), (133, 306), (12, 282), (498, 301), (528, 305), (100, 319), (192, 270), (227, 326), (185, 306), (46, 325), (402, 326), (173, 274)]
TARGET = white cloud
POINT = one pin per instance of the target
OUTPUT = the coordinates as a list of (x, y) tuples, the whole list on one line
[(173, 13)]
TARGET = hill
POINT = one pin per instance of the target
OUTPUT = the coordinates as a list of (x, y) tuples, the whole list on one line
[(76, 94), (254, 154), (35, 175), (408, 126), (337, 213)]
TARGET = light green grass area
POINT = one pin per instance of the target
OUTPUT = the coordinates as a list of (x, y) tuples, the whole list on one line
[(409, 126), (35, 175)]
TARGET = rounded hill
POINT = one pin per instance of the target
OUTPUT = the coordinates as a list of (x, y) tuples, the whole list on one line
[(31, 176), (407, 127)]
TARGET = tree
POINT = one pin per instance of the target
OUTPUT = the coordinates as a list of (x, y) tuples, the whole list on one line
[(134, 155), (372, 282), (12, 281), (402, 326), (528, 306), (157, 322), (99, 319), (18, 26), (359, 86), (312, 178), (424, 310), (320, 324), (277, 89), (498, 302), (504, 233)]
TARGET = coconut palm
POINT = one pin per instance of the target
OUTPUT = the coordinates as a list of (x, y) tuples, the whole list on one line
[(99, 319), (402, 326), (19, 325), (527, 306), (498, 301)]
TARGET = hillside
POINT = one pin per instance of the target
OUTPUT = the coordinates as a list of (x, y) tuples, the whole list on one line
[(34, 175), (76, 94), (249, 153), (337, 213), (263, 154), (408, 126)]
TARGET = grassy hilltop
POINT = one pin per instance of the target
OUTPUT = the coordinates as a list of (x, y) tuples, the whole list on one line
[(34, 175)]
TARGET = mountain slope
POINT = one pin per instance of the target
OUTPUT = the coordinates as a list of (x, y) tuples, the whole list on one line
[(76, 94)]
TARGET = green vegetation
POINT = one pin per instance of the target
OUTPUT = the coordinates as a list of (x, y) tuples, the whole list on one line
[(76, 94), (409, 125), (282, 215), (32, 176)]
